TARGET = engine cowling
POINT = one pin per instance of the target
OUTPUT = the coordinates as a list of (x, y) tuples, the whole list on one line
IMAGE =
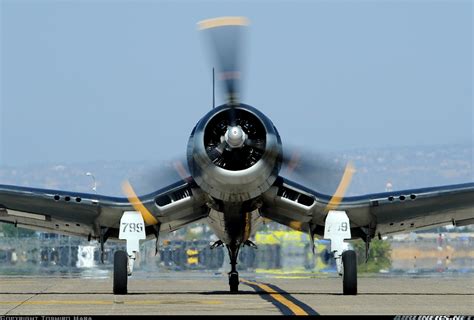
[(234, 153)]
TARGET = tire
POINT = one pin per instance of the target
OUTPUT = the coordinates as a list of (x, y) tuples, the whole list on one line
[(349, 278), (120, 272), (234, 282)]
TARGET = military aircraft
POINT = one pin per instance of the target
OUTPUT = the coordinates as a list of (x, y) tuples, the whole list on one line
[(235, 156)]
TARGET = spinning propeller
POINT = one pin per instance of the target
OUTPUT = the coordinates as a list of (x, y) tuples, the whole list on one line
[(236, 141), (226, 35)]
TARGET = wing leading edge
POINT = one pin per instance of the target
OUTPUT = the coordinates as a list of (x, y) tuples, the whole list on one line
[(377, 214), (84, 214)]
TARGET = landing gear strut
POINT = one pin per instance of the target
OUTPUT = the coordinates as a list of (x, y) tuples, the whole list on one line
[(132, 229), (337, 229), (233, 274)]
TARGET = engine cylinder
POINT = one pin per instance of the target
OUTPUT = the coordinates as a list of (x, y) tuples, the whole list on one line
[(239, 169)]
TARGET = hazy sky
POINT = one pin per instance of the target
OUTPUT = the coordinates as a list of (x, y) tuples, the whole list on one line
[(128, 80)]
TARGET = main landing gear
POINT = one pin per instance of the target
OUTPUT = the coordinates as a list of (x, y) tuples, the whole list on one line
[(337, 229), (132, 229), (120, 272), (349, 276)]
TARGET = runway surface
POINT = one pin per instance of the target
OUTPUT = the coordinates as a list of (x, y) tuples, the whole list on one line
[(207, 293)]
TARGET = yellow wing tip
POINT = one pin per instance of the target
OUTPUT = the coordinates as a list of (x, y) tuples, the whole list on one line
[(222, 22)]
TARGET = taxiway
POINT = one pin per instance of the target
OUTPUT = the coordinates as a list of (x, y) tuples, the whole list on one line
[(191, 293)]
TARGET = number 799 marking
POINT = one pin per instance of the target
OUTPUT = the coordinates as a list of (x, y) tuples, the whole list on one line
[(342, 227), (132, 227)]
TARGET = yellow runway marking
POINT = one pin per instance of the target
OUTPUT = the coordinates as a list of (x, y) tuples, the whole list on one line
[(294, 277), (277, 296), (110, 302)]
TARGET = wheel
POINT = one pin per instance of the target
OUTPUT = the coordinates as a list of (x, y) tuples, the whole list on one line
[(349, 278), (234, 282), (120, 272)]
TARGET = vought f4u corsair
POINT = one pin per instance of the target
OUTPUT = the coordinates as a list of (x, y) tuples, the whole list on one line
[(235, 156)]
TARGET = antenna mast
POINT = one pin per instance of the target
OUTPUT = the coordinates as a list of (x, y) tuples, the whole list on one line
[(213, 90)]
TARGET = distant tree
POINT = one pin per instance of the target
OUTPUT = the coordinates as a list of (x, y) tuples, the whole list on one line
[(379, 255), (10, 231)]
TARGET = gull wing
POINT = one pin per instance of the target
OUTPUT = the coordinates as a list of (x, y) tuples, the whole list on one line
[(376, 214), (84, 214)]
